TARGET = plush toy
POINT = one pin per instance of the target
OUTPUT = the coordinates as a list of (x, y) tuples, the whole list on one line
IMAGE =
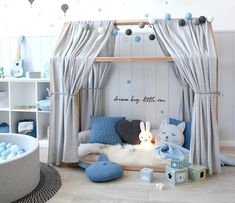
[(169, 133), (145, 136)]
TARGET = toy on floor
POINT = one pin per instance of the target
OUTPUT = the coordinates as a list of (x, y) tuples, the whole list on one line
[(169, 133), (146, 174), (176, 175), (160, 186), (102, 170), (177, 163), (145, 136), (196, 172)]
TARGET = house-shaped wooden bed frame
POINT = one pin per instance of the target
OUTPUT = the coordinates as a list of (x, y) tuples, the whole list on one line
[(160, 168)]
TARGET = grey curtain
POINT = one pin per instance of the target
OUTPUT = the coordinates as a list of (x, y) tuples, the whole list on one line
[(186, 95), (91, 94), (193, 51), (71, 64)]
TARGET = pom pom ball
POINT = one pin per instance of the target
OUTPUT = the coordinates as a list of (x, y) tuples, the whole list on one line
[(188, 16), (128, 32), (141, 25), (202, 19), (196, 21), (181, 22), (152, 20), (167, 16), (137, 38), (152, 37), (210, 19), (114, 31)]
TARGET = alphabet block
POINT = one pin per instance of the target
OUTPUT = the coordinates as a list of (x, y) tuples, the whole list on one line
[(197, 172), (146, 174), (176, 175)]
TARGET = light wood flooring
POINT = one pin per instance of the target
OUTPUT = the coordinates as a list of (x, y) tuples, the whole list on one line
[(76, 187)]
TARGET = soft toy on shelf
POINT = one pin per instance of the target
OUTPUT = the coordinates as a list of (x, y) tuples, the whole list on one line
[(145, 136)]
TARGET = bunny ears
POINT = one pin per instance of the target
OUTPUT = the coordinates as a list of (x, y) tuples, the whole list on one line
[(142, 127)]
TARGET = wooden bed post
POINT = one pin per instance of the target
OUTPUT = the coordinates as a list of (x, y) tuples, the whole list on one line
[(217, 73)]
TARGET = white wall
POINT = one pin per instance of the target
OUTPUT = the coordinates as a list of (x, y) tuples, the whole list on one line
[(45, 17)]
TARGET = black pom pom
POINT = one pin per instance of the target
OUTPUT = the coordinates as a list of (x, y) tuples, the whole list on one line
[(202, 19), (181, 22), (152, 37), (128, 32)]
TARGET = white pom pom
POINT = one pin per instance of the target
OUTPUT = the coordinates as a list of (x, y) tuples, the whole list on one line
[(210, 19), (100, 30), (152, 20)]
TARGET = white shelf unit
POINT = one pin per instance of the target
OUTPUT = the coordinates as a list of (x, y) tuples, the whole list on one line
[(23, 95)]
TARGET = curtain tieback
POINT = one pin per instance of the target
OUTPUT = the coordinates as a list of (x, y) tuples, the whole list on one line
[(91, 88), (61, 93), (210, 93)]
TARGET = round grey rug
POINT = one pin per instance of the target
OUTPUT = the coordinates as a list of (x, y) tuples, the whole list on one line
[(49, 184)]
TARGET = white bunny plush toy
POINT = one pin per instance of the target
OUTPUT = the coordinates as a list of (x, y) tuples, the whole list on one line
[(145, 135), (169, 133)]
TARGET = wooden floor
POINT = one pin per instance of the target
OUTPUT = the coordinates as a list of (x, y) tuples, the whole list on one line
[(77, 188)]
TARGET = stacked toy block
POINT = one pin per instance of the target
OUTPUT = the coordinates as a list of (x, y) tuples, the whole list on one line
[(178, 172), (176, 175)]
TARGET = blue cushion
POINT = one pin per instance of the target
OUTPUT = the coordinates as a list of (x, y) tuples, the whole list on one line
[(103, 130), (102, 171), (187, 131)]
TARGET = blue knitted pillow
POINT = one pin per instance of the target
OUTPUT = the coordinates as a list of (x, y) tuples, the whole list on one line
[(103, 130), (102, 171), (187, 131)]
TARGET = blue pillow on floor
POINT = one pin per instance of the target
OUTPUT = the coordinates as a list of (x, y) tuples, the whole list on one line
[(103, 171), (103, 130), (187, 131)]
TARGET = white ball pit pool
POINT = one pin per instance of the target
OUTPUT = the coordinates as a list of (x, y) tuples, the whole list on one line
[(20, 175)]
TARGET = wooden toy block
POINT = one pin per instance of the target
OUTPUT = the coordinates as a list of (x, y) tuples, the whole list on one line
[(197, 172), (185, 162), (176, 175), (146, 174), (175, 163)]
